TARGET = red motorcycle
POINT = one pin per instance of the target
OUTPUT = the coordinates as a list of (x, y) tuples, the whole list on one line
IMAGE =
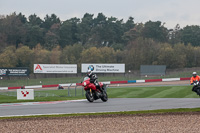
[(92, 93)]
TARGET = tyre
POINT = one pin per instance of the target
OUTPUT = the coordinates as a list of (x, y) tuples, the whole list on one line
[(198, 91), (104, 97), (89, 96)]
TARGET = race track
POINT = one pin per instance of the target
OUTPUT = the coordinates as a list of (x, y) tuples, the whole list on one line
[(112, 105), (83, 106)]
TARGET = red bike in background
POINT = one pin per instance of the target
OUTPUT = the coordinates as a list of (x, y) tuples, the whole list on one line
[(92, 92)]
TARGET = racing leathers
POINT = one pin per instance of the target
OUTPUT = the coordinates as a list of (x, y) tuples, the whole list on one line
[(93, 79), (192, 80)]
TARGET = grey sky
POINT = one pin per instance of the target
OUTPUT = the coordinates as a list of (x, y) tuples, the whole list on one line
[(172, 12)]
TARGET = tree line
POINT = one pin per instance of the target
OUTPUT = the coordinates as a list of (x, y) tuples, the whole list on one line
[(27, 41)]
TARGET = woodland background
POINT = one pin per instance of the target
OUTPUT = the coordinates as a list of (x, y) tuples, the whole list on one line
[(27, 41)]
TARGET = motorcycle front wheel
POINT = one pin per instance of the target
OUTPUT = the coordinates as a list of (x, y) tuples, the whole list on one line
[(198, 91), (89, 96)]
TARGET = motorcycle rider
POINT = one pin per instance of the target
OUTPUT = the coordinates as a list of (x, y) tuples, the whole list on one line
[(93, 79), (193, 79)]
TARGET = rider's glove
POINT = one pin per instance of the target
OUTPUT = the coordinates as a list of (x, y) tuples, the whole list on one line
[(192, 83)]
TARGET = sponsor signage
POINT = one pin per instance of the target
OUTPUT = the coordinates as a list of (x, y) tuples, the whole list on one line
[(55, 68), (25, 94), (104, 68), (14, 71)]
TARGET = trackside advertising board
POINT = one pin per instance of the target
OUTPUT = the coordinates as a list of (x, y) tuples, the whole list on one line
[(14, 71), (55, 68), (25, 94), (104, 68)]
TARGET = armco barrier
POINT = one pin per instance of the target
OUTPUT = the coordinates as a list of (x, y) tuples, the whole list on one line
[(78, 84), (32, 87), (153, 80), (140, 81), (3, 88), (171, 79), (131, 81), (184, 78), (46, 86), (14, 87), (118, 82), (108, 82)]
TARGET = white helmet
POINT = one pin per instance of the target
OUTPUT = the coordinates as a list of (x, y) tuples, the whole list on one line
[(194, 73), (89, 72)]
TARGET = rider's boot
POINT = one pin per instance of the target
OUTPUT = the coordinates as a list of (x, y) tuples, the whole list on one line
[(98, 93)]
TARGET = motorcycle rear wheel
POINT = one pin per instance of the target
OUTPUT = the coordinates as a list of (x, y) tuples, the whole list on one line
[(198, 91), (89, 96), (104, 97)]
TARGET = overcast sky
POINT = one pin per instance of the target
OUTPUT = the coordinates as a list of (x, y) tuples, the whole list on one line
[(171, 12)]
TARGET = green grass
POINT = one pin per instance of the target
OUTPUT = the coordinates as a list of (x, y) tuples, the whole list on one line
[(43, 81), (11, 99), (152, 92), (43, 95), (126, 92)]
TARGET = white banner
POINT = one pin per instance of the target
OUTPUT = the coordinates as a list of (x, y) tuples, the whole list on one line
[(25, 94), (55, 68), (104, 68)]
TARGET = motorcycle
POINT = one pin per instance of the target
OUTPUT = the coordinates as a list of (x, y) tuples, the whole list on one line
[(92, 92), (196, 87)]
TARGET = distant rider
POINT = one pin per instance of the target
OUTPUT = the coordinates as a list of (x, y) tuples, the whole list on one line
[(194, 79)]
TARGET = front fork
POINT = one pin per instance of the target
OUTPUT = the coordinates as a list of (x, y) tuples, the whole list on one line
[(91, 92)]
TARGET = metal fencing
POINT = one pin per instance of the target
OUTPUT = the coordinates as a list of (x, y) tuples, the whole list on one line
[(71, 91), (66, 79), (153, 70)]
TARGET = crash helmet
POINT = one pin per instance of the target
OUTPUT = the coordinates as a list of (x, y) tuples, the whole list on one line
[(194, 74), (89, 72)]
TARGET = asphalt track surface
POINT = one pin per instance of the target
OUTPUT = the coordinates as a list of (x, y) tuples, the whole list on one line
[(83, 106)]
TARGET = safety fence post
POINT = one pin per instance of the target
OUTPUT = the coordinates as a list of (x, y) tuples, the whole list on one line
[(75, 90), (82, 91), (69, 90)]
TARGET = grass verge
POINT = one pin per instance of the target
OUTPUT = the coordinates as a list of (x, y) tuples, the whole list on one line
[(161, 111), (152, 92), (124, 92)]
